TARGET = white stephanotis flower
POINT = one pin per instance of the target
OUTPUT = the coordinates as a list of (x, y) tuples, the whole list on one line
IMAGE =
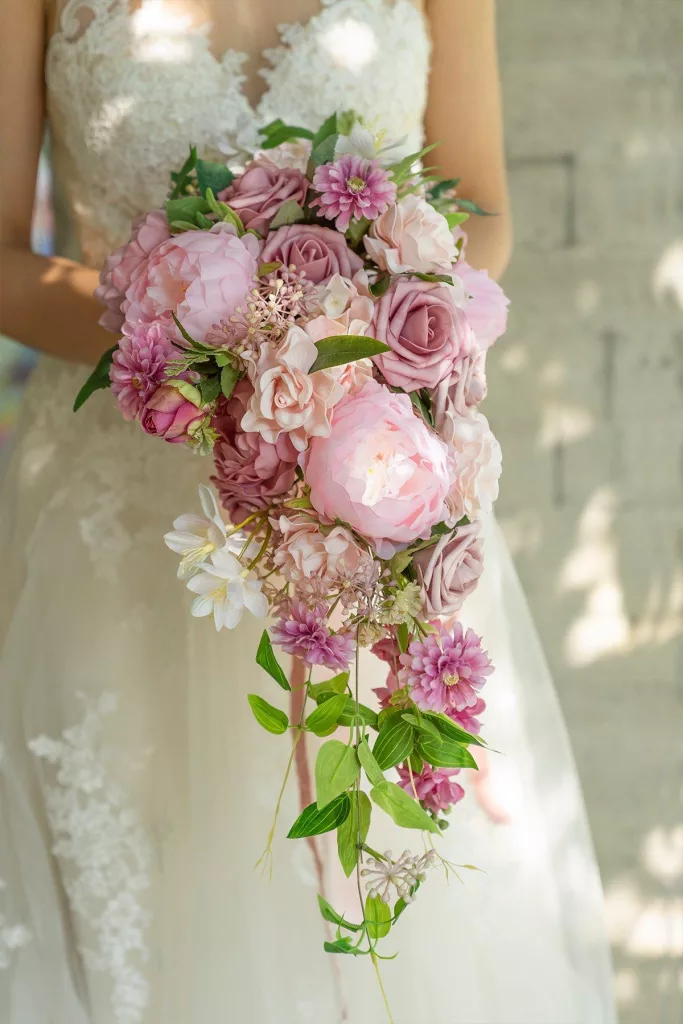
[(359, 142), (226, 589), (197, 537)]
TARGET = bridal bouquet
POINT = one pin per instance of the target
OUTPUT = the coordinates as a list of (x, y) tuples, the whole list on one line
[(310, 321)]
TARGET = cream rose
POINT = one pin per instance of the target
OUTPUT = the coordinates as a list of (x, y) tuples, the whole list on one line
[(411, 235)]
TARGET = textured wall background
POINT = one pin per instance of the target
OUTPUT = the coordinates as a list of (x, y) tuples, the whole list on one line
[(587, 399)]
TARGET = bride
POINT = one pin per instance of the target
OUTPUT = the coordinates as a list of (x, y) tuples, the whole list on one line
[(135, 790)]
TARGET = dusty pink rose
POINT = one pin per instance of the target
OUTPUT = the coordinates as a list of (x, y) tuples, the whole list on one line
[(381, 469), (434, 787), (449, 571), (148, 232), (200, 275), (287, 398), (475, 459), (139, 366), (169, 414), (411, 235), (259, 192), (486, 304), (307, 550), (428, 335), (319, 252)]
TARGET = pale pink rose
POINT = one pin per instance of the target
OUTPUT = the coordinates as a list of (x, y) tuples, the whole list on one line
[(411, 235), (486, 304), (295, 154), (148, 232), (428, 335), (287, 398), (171, 415), (350, 376), (201, 276), (449, 571), (306, 550), (319, 252), (381, 469), (349, 302), (258, 193), (476, 462)]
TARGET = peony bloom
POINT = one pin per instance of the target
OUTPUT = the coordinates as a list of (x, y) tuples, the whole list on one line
[(249, 471), (149, 231), (428, 335), (381, 469), (352, 188), (303, 633), (168, 413), (411, 235), (449, 571), (476, 463), (258, 193), (314, 250), (306, 550), (486, 304), (201, 276), (434, 787), (444, 670), (287, 399), (225, 589), (139, 366)]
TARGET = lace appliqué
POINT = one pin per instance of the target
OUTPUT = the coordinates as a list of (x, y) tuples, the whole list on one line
[(105, 842)]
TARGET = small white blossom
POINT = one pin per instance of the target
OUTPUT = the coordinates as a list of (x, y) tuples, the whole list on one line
[(225, 589), (402, 874), (359, 142), (197, 537)]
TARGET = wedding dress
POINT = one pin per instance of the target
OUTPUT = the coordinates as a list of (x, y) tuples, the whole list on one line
[(136, 791)]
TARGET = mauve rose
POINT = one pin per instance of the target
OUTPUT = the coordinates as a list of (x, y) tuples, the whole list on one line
[(450, 570), (426, 331), (258, 193), (170, 415), (148, 232), (320, 252)]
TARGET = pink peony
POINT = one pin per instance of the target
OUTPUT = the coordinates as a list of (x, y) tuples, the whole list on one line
[(303, 634), (486, 304), (201, 276), (171, 415), (306, 550), (434, 787), (319, 252), (139, 366), (381, 469), (287, 398), (259, 192), (444, 670), (449, 571), (428, 335), (476, 462), (352, 188), (411, 235), (149, 231)]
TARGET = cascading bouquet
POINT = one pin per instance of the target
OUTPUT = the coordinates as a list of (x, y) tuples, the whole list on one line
[(312, 322)]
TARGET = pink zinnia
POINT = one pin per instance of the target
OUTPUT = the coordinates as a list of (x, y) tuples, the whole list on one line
[(139, 366), (303, 634), (466, 718), (445, 670), (435, 788), (352, 188)]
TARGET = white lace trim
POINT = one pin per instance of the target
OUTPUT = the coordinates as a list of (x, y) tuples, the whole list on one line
[(107, 846)]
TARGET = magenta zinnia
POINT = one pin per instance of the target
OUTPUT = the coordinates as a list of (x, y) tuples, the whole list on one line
[(352, 188), (444, 670), (433, 787), (303, 633), (139, 366)]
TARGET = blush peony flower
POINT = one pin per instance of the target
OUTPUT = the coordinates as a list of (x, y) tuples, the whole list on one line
[(317, 251), (139, 366), (200, 275), (434, 787), (476, 462), (428, 335), (486, 304), (303, 633), (444, 670), (287, 399), (168, 413), (149, 231), (352, 188), (449, 571), (306, 550), (259, 192), (381, 469), (411, 235)]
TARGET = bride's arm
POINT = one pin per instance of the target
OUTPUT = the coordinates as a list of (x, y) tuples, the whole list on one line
[(45, 303), (464, 115)]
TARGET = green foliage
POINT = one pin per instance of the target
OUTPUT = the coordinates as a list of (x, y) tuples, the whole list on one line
[(435, 278), (326, 714), (188, 338), (289, 213), (423, 404), (343, 945), (186, 208), (377, 917), (470, 207), (345, 348), (442, 186), (394, 743), (403, 636), (272, 719), (209, 389), (229, 377), (446, 753), (354, 831), (448, 728), (370, 766), (331, 915), (268, 268), (214, 176), (336, 770), (353, 711), (265, 657), (338, 684), (381, 284), (456, 219), (405, 168), (277, 132), (423, 723), (314, 822), (402, 808), (323, 152), (182, 177), (98, 379)]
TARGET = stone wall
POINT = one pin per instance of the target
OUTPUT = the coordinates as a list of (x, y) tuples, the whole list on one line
[(587, 399)]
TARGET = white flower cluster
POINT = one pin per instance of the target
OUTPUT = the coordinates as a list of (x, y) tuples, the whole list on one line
[(402, 874)]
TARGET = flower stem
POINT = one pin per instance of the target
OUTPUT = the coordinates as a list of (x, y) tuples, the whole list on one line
[(255, 561), (375, 964)]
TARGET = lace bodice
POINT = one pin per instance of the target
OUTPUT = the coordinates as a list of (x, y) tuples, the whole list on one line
[(128, 91)]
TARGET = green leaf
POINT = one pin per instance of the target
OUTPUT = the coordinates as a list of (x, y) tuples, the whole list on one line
[(366, 714), (377, 917), (354, 831), (398, 563), (467, 204), (435, 278), (265, 657), (180, 179), (336, 769), (327, 128), (185, 208), (456, 219), (401, 807), (444, 754), (284, 133), (422, 408), (184, 225), (346, 348), (187, 390), (314, 822), (331, 915), (98, 379), (401, 904), (289, 213), (423, 723), (448, 728), (188, 338), (394, 743), (337, 684), (272, 719), (323, 153), (229, 377), (268, 268), (356, 230), (402, 170), (416, 763), (343, 945), (370, 766), (381, 284), (210, 389), (213, 175), (403, 636), (445, 185), (326, 714), (203, 222)]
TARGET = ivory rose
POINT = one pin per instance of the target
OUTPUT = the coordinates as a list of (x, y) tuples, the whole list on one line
[(148, 232), (380, 469), (411, 235), (306, 550), (449, 571), (349, 302), (319, 252), (476, 462), (259, 192)]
